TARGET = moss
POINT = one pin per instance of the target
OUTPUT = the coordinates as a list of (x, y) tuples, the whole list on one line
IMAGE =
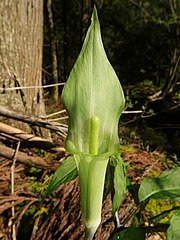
[(156, 207), (126, 148), (153, 173)]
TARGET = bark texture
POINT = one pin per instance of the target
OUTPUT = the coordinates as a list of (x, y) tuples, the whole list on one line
[(21, 24)]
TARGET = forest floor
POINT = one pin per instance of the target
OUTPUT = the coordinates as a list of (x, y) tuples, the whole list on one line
[(59, 215)]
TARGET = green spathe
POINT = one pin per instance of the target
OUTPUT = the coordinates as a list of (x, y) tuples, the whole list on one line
[(93, 89), (94, 100)]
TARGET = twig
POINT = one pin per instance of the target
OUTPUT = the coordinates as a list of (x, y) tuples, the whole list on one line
[(12, 190), (132, 112), (61, 125), (30, 87), (30, 120), (11, 198), (58, 119), (54, 114)]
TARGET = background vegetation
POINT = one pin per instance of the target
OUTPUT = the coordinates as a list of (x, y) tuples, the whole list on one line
[(141, 39)]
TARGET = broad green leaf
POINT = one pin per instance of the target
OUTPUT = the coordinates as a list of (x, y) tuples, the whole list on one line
[(120, 181), (94, 100), (173, 232), (65, 173), (129, 234), (164, 187)]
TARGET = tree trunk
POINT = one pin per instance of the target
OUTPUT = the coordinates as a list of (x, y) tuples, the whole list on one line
[(21, 24), (53, 49)]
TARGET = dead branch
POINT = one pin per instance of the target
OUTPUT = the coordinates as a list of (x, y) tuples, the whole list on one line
[(19, 135), (31, 120), (54, 114), (29, 160)]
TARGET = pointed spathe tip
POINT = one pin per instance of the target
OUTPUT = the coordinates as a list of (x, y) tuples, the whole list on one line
[(95, 14)]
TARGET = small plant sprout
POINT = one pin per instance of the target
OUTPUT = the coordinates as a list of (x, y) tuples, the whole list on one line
[(94, 100)]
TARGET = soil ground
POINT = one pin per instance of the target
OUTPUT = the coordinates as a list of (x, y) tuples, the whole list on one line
[(59, 215)]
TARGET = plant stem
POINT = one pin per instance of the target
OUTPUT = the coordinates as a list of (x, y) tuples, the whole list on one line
[(89, 234)]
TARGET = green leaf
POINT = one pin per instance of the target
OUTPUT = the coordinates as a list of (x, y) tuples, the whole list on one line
[(165, 187), (120, 181), (65, 173), (129, 234), (173, 232)]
